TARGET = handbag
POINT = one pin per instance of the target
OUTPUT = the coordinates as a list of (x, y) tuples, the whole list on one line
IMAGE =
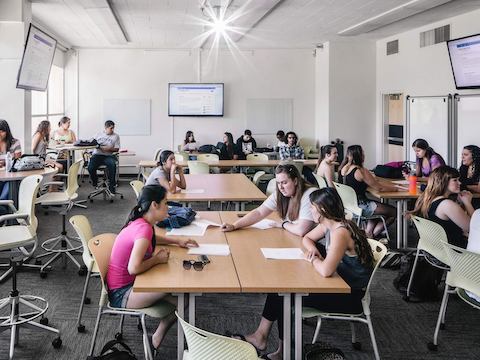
[(28, 162), (110, 352)]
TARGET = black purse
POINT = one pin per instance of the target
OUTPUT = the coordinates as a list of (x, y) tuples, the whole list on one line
[(110, 352)]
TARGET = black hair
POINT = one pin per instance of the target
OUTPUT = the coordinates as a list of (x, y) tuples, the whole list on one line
[(8, 137), (291, 133), (109, 123), (475, 150), (429, 152), (164, 155), (247, 132), (149, 194), (326, 150), (281, 133), (187, 137)]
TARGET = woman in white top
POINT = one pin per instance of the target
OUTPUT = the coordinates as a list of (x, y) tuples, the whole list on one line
[(189, 144), (40, 142), (291, 201), (326, 164), (166, 173)]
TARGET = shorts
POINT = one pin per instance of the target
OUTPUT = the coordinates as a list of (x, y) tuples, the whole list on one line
[(368, 207), (118, 297)]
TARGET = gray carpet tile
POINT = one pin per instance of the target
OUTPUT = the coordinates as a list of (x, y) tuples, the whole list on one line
[(402, 329)]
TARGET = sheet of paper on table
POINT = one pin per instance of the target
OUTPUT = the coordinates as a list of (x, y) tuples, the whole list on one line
[(263, 224), (210, 249), (283, 253), (196, 228)]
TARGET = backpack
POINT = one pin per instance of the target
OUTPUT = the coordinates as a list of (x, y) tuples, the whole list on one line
[(425, 280), (92, 142), (178, 216), (28, 162), (322, 351), (110, 352), (392, 170), (208, 149)]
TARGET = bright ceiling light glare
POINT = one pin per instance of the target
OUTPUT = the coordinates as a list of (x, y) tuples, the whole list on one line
[(219, 26)]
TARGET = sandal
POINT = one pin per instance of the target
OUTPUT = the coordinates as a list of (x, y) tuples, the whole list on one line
[(241, 337)]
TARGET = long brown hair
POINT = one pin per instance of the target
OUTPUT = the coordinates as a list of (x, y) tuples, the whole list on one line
[(43, 130), (437, 186), (354, 156), (284, 208), (330, 206)]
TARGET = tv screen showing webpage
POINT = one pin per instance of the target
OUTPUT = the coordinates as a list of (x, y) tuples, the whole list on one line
[(195, 99), (465, 60)]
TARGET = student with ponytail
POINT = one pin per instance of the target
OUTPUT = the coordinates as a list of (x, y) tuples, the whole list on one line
[(133, 254), (166, 173), (348, 254)]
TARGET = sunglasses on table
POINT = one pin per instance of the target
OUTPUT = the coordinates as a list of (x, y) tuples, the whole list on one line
[(197, 265)]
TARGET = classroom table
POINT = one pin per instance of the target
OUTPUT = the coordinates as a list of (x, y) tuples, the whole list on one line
[(218, 187), (70, 149)]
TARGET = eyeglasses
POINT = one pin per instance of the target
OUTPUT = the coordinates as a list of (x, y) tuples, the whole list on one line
[(197, 265)]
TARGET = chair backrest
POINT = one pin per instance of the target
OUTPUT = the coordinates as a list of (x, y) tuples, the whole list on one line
[(205, 345), (256, 178), (322, 183), (379, 251), (432, 235), (72, 179), (271, 187), (207, 157), (349, 198), (137, 187), (157, 153), (27, 195), (100, 247), (84, 231), (464, 268), (198, 167), (257, 157), (181, 156)]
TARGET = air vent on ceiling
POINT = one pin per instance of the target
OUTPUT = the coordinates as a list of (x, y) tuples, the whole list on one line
[(392, 47), (435, 36)]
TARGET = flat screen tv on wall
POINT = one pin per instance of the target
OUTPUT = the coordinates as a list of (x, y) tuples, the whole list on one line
[(36, 61), (465, 60), (195, 99)]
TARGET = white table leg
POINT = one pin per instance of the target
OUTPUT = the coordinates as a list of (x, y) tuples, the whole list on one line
[(287, 326), (404, 224), (237, 205), (298, 326), (242, 206), (399, 223), (191, 307), (180, 336)]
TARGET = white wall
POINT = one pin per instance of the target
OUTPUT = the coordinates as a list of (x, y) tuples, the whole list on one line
[(138, 74), (419, 71)]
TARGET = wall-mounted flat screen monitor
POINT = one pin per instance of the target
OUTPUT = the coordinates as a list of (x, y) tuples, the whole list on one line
[(37, 60), (195, 99), (465, 60)]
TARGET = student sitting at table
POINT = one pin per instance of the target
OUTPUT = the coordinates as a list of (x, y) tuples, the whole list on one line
[(189, 144), (470, 168), (359, 178), (63, 135), (228, 149), (133, 254), (348, 253), (291, 151), (8, 145), (165, 174), (436, 204), (290, 201), (427, 159), (40, 142), (109, 143), (281, 141), (246, 144), (326, 164)]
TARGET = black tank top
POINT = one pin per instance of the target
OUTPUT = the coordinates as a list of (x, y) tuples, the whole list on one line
[(360, 187), (454, 232)]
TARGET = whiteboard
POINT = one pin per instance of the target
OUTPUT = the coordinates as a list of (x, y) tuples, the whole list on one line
[(36, 61), (267, 116), (131, 116), (428, 118), (468, 123)]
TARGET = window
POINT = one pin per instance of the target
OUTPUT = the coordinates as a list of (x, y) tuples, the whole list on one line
[(49, 105)]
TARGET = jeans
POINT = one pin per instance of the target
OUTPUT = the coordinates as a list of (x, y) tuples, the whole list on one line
[(110, 162)]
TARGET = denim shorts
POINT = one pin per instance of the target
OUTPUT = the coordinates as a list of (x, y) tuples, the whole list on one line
[(368, 207), (118, 297)]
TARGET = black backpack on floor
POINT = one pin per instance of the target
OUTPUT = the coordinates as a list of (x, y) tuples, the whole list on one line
[(322, 351), (110, 352)]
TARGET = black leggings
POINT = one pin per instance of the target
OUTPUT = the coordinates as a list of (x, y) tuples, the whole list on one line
[(333, 303)]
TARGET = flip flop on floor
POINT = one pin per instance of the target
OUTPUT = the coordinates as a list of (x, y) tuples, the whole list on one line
[(239, 336)]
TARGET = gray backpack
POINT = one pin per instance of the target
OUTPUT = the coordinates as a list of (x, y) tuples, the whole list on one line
[(28, 162)]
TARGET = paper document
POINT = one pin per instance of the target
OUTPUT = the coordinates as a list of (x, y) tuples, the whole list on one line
[(263, 224), (196, 228), (283, 253), (210, 249), (193, 191), (400, 182)]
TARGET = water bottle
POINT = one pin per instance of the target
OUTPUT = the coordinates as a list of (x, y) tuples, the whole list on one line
[(412, 184), (8, 161)]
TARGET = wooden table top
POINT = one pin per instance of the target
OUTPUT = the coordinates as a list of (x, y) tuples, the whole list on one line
[(219, 187), (20, 175), (219, 276), (231, 163), (257, 274)]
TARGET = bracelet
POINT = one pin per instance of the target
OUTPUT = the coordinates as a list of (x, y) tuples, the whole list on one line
[(283, 223)]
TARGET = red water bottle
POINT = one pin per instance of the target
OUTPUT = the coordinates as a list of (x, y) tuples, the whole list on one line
[(412, 184)]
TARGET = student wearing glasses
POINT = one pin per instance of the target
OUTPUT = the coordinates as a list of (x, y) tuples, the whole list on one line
[(290, 201), (133, 254)]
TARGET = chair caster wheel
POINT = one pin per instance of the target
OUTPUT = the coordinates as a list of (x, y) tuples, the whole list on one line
[(432, 347), (119, 336), (442, 326), (82, 271), (87, 301), (44, 321), (57, 343), (357, 345), (43, 274), (121, 196), (81, 328), (38, 262), (111, 201)]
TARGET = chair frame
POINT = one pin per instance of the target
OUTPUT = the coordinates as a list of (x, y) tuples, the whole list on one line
[(102, 186), (137, 187)]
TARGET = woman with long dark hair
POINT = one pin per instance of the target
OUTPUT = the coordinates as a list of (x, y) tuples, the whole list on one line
[(8, 144), (427, 159), (347, 252), (189, 143), (470, 168), (326, 164), (40, 142), (228, 149), (166, 172), (355, 175), (133, 254), (290, 201), (436, 204)]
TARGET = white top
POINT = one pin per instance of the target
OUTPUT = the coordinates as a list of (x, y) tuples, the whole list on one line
[(190, 146), (159, 172), (474, 242), (305, 213), (281, 143), (112, 140)]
